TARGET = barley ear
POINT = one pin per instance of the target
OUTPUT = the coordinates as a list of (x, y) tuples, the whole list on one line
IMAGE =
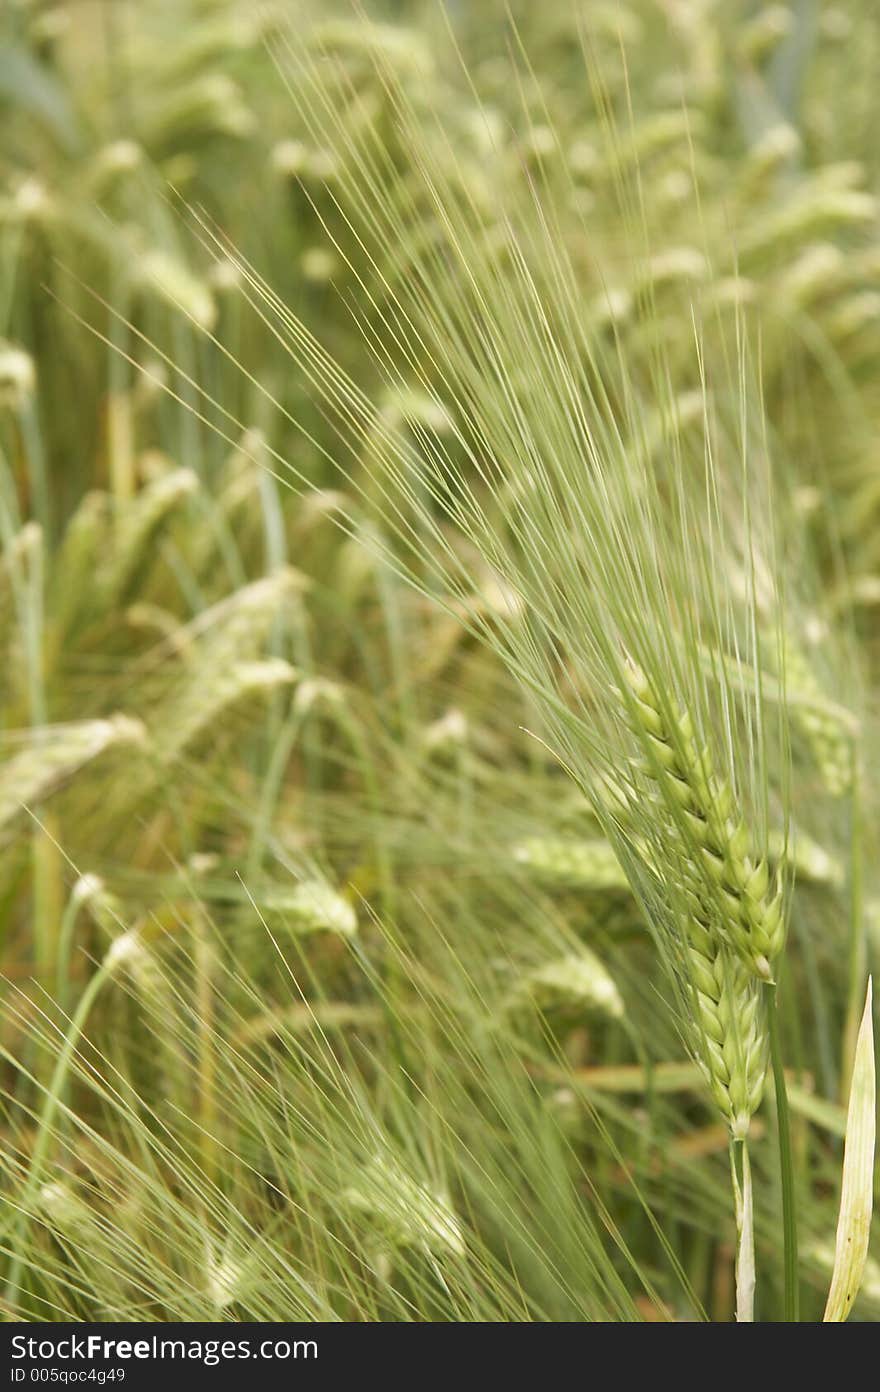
[(857, 1188), (734, 888)]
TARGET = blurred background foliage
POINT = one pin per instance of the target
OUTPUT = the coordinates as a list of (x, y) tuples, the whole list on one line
[(226, 721)]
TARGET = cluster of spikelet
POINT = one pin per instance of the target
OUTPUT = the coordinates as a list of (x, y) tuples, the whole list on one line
[(733, 927)]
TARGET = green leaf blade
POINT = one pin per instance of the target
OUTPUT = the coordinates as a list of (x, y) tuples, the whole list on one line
[(857, 1189)]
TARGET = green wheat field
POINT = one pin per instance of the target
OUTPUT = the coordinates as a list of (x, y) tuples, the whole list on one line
[(439, 660)]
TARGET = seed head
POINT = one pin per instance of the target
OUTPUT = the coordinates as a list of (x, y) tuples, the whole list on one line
[(727, 885)]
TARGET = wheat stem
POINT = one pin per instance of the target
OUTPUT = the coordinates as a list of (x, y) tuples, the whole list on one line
[(745, 1233)]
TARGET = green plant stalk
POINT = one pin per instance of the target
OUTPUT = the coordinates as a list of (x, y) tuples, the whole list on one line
[(37, 469), (351, 728), (283, 747), (857, 955), (44, 849), (745, 1232), (786, 1167), (46, 860), (44, 1130)]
